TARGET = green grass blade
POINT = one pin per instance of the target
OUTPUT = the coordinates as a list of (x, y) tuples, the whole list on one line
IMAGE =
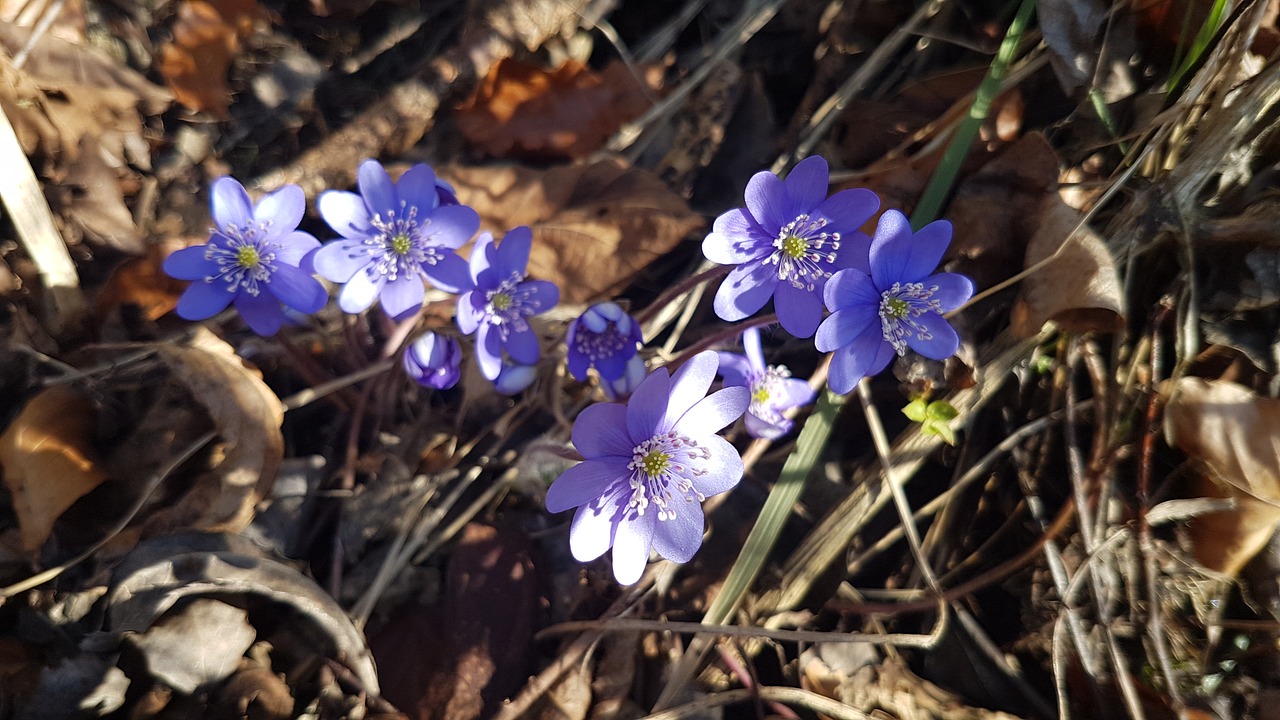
[(777, 507), (1198, 46), (944, 178)]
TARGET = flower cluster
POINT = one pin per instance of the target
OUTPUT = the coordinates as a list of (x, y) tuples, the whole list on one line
[(653, 453), (794, 244), (395, 237)]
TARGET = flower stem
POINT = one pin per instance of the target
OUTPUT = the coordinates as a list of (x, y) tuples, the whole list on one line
[(715, 339), (679, 289)]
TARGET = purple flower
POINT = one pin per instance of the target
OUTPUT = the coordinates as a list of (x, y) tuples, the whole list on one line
[(623, 387), (604, 337), (648, 467), (772, 388), (394, 234), (786, 242), (499, 305), (898, 306), (434, 361), (514, 378), (251, 259)]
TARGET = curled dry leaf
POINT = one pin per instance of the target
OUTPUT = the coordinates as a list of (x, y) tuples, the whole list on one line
[(1079, 289), (164, 573), (205, 39), (595, 226), (247, 415), (197, 645), (47, 462), (1234, 436), (522, 110)]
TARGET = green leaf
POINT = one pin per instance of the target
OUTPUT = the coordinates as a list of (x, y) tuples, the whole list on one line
[(941, 410), (917, 410), (942, 430)]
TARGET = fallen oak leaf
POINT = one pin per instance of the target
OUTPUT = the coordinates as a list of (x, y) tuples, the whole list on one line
[(47, 462), (206, 37), (522, 110), (66, 92)]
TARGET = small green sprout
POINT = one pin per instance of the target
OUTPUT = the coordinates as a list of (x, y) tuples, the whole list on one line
[(934, 417)]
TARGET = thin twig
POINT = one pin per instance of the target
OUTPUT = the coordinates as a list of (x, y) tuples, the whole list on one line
[(797, 636), (885, 453), (1151, 571), (976, 472), (681, 288), (791, 696)]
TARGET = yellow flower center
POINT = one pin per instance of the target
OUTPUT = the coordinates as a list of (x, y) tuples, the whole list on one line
[(401, 243), (247, 257), (760, 394), (795, 247), (501, 301), (655, 462), (895, 307)]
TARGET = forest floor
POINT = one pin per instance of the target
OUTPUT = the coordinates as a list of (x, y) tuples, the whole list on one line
[(1071, 516)]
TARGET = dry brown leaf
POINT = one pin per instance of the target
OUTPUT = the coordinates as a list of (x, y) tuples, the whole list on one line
[(91, 200), (47, 462), (1080, 288), (995, 210), (206, 37), (594, 226), (521, 110), (1235, 436), (66, 92), (80, 111), (247, 415), (139, 281)]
